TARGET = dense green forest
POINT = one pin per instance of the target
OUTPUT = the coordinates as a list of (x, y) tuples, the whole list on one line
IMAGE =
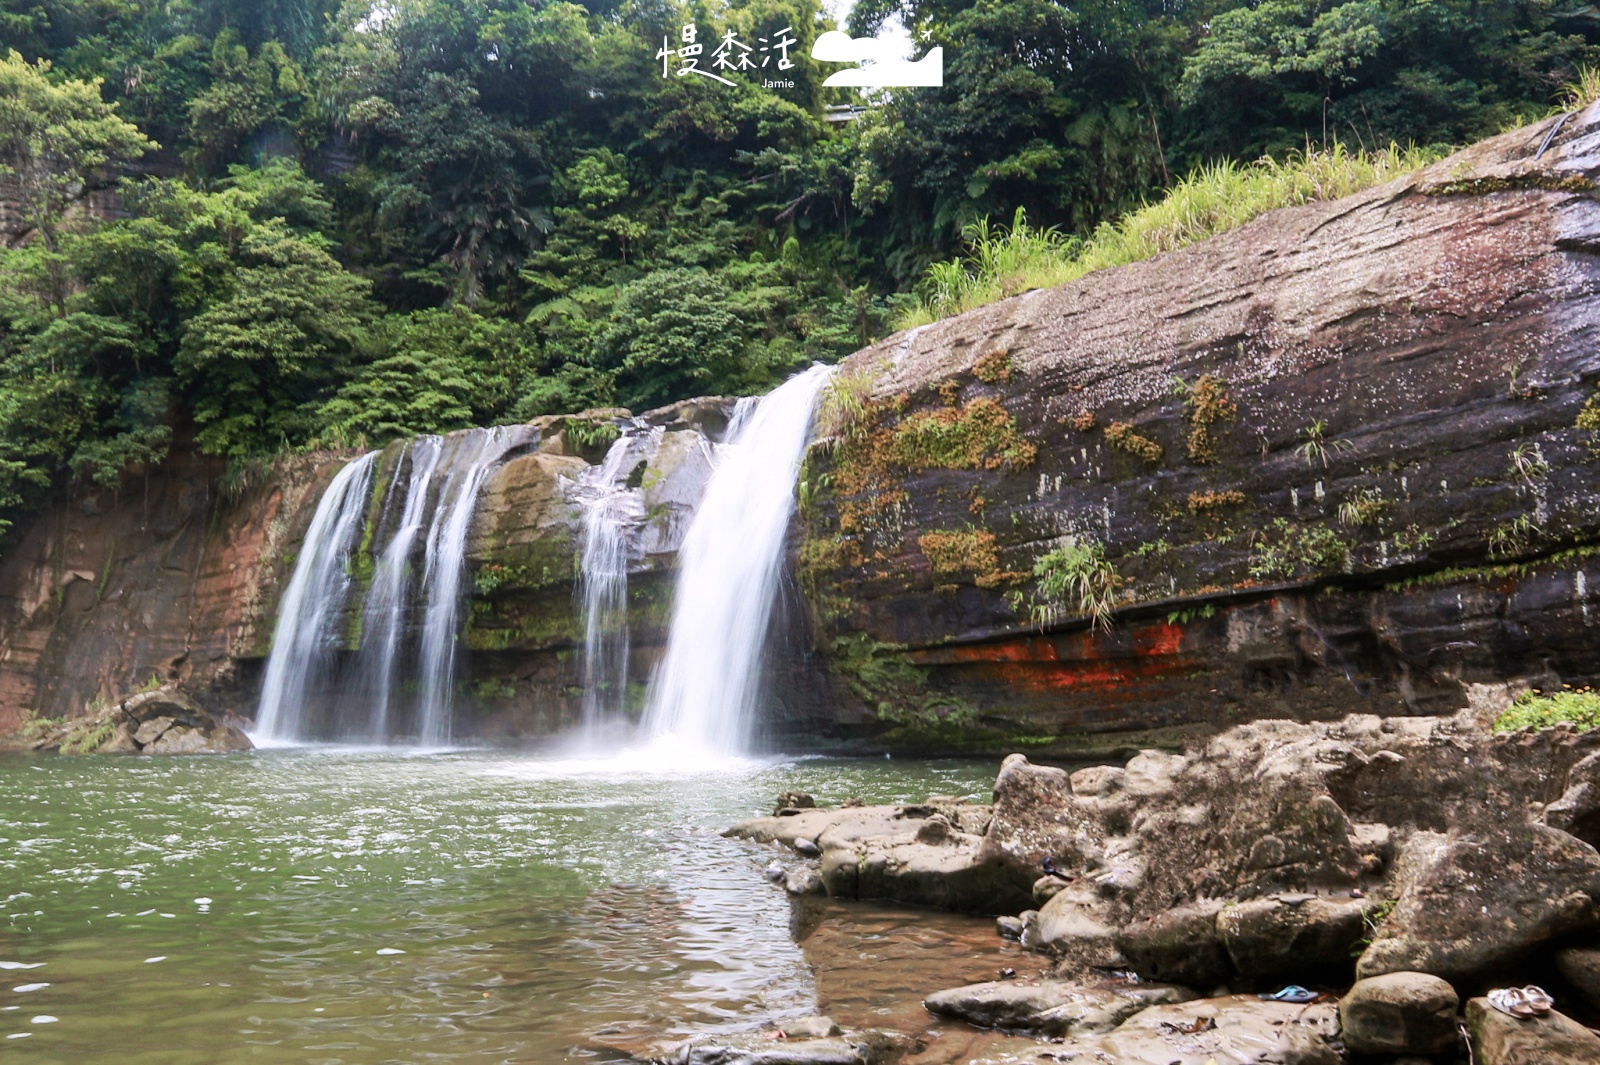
[(271, 224)]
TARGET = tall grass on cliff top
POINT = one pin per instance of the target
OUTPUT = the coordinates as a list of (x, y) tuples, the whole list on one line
[(1003, 261)]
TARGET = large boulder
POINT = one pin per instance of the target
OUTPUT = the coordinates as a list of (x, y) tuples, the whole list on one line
[(1182, 944), (159, 721), (1399, 1013), (1293, 935), (1051, 1007), (166, 721), (1500, 1039), (916, 854), (1487, 899)]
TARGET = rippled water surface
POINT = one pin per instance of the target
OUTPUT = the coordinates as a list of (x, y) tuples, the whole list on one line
[(344, 908)]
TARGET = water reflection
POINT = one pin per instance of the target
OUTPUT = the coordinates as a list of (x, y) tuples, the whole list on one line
[(357, 907)]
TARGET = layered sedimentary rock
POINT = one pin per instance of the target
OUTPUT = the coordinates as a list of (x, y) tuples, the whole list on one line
[(1337, 458)]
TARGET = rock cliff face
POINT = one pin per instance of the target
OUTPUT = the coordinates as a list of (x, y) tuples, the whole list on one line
[(1336, 459), (1343, 458), (169, 579)]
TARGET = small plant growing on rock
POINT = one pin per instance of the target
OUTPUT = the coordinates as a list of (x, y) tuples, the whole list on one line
[(1363, 508), (1512, 538), (1121, 436), (1589, 417), (1316, 448), (1527, 463), (1284, 550), (1579, 707), (994, 368), (844, 403), (1076, 577), (1412, 538), (1206, 502), (1204, 405)]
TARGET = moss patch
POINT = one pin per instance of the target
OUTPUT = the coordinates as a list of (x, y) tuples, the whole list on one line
[(994, 368), (1210, 502), (1204, 405), (1121, 436)]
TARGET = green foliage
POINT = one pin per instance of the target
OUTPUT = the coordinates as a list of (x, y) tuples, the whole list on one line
[(1286, 551), (1578, 707), (54, 135), (259, 357), (1213, 199), (1075, 579), (672, 333), (505, 211)]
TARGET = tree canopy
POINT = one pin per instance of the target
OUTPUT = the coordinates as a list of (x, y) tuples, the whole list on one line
[(290, 223)]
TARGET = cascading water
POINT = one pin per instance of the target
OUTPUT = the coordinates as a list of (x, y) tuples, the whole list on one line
[(372, 680), (704, 692), (441, 477), (611, 512), (478, 453), (302, 640)]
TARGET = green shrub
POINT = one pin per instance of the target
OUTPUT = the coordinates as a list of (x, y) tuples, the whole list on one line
[(1579, 707), (1078, 578)]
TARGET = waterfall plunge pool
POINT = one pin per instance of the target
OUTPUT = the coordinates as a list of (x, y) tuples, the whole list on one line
[(344, 907)]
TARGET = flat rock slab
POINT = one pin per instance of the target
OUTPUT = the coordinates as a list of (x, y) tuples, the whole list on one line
[(1051, 1007), (1499, 1039), (1243, 1030), (867, 1049)]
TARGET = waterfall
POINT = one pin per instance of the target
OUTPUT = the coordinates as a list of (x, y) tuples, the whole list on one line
[(312, 602), (388, 599), (611, 512), (477, 453), (420, 567), (704, 691)]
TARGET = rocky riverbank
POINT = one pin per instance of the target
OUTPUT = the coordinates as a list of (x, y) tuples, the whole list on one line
[(1398, 868)]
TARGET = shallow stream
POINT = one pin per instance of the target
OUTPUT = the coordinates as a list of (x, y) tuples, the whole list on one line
[(340, 907)]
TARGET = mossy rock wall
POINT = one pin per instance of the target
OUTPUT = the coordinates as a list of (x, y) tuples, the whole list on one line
[(1332, 461)]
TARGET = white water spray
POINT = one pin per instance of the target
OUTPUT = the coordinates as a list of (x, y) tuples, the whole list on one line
[(479, 452), (704, 692), (611, 513), (388, 598), (441, 477), (312, 602)]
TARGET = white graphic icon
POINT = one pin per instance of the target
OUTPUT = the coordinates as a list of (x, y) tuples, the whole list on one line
[(885, 70)]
